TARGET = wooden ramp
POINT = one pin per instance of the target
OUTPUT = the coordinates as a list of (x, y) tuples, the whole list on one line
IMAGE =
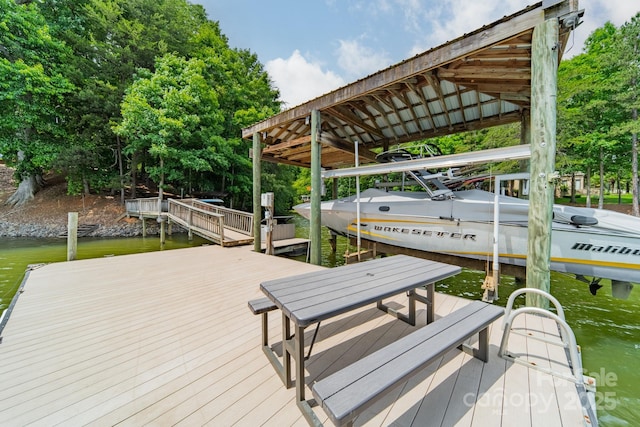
[(220, 225), (166, 338)]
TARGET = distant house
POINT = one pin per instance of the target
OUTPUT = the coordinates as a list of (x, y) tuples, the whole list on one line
[(564, 188)]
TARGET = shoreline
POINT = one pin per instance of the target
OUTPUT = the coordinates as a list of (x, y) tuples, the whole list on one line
[(44, 231)]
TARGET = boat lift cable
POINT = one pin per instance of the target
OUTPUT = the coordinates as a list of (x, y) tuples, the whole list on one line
[(496, 221), (491, 280)]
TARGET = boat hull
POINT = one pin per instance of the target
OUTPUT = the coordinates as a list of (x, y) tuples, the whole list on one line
[(464, 227)]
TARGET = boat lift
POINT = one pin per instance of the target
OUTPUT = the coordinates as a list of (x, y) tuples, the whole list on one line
[(517, 152)]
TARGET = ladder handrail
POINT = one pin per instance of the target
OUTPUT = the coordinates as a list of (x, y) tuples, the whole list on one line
[(537, 291), (585, 385), (568, 338)]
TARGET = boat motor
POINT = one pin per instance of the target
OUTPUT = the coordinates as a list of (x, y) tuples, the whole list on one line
[(621, 290)]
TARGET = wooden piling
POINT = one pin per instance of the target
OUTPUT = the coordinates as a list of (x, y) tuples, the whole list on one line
[(268, 203), (333, 239), (316, 192), (544, 69), (257, 209), (72, 236)]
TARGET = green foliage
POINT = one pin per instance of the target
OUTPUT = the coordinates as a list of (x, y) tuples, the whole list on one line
[(76, 161), (154, 85), (625, 77), (110, 44), (585, 117), (278, 179), (110, 40), (32, 88), (173, 114), (302, 184), (597, 94)]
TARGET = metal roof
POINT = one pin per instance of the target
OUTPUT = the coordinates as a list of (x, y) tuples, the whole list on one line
[(479, 80)]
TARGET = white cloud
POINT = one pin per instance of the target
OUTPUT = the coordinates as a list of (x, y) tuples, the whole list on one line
[(300, 80), (358, 61), (453, 18), (616, 11), (429, 24), (597, 12)]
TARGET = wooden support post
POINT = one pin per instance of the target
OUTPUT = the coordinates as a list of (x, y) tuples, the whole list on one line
[(333, 239), (544, 72), (72, 236), (257, 209), (316, 192), (144, 226), (160, 219), (268, 203), (525, 136), (333, 242)]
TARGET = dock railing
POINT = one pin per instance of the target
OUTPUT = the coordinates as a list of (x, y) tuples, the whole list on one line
[(203, 219), (145, 207), (199, 221), (236, 220)]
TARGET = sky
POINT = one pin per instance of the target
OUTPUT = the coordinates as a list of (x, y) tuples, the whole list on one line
[(311, 47)]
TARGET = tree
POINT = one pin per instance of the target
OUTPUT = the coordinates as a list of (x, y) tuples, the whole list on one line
[(33, 87), (111, 39), (625, 81), (246, 96), (172, 114), (100, 46), (585, 115)]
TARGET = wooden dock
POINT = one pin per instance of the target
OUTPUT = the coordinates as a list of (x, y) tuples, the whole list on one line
[(166, 338)]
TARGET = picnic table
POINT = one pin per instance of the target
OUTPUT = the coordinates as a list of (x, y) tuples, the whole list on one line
[(310, 298)]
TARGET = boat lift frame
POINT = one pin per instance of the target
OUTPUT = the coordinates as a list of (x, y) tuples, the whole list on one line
[(516, 152), (498, 179)]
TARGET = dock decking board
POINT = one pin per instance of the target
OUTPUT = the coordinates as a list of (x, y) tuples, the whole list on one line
[(165, 338)]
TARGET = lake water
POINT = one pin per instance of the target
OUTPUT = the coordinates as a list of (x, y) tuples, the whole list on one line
[(607, 329)]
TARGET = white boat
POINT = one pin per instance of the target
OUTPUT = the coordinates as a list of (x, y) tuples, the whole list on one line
[(601, 244)]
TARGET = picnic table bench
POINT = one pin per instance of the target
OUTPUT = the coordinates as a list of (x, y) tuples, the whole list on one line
[(348, 392), (310, 298)]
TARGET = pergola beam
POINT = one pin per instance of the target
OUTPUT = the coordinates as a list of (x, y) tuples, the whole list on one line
[(347, 147)]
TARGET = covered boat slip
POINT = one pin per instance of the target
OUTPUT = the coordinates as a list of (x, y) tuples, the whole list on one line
[(502, 73), (166, 338)]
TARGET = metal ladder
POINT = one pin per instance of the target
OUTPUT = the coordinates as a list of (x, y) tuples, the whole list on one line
[(567, 337), (585, 385)]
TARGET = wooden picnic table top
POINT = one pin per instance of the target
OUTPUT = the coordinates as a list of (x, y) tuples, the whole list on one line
[(312, 297)]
